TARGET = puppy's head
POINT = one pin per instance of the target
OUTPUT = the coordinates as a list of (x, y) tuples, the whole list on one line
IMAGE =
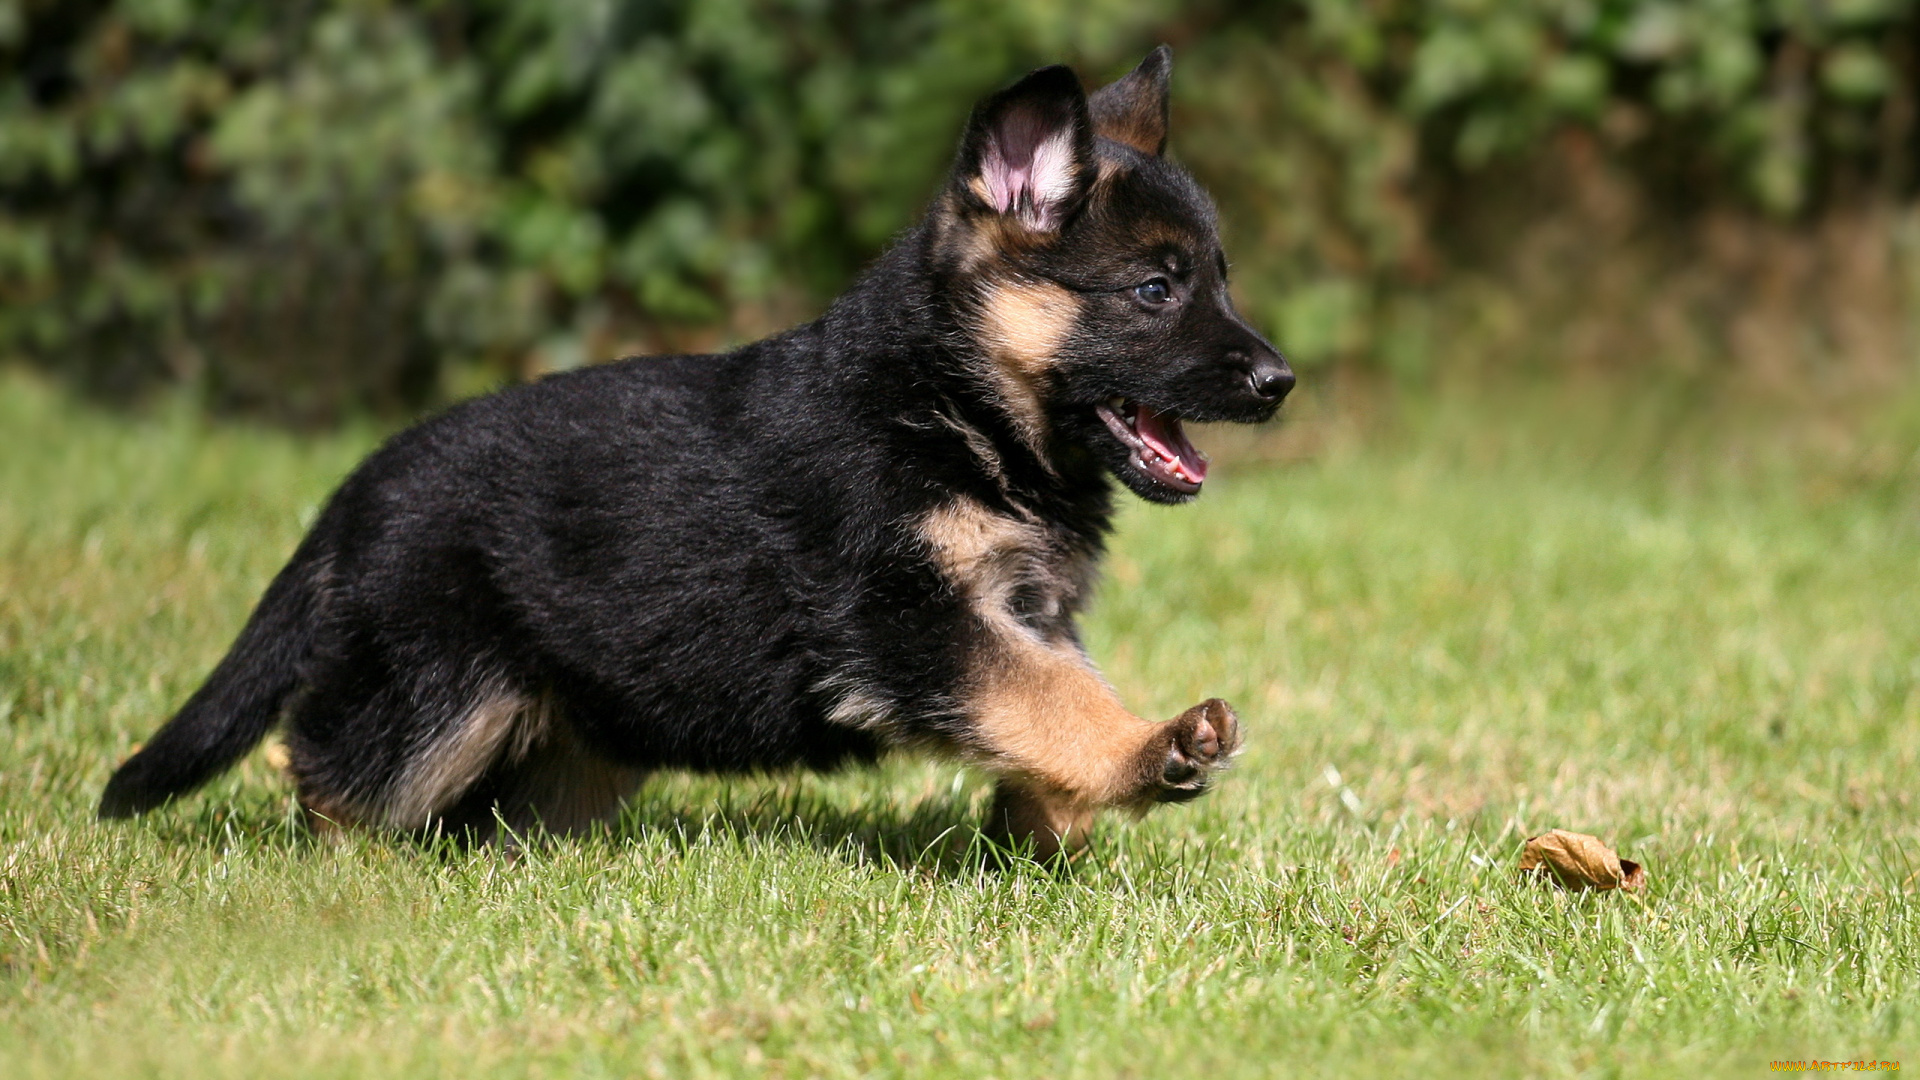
[(1087, 269)]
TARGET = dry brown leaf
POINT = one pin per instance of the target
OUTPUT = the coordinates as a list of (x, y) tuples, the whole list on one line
[(1578, 861)]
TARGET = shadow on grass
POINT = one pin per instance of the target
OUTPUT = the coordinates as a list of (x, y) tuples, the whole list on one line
[(935, 835), (885, 818)]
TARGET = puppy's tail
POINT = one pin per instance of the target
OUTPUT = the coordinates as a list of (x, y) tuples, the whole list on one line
[(239, 703)]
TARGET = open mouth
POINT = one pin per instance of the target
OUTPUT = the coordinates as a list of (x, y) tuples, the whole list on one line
[(1160, 447)]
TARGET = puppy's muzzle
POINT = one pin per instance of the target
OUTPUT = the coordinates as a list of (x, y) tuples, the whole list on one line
[(1271, 379)]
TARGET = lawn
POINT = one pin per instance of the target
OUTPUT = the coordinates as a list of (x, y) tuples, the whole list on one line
[(1689, 627)]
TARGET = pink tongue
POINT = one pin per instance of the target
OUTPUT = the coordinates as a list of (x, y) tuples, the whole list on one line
[(1168, 439)]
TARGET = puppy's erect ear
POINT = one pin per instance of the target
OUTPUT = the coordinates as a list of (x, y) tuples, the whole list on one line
[(1133, 108), (1028, 151)]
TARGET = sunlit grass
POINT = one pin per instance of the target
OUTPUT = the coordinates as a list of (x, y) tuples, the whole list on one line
[(1448, 627)]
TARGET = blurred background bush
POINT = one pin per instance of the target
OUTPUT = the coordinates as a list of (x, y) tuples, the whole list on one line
[(311, 208)]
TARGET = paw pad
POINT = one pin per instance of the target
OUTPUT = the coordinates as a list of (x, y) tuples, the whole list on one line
[(1195, 745)]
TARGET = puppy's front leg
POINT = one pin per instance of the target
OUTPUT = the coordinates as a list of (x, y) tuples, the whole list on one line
[(1045, 719), (1027, 812), (1037, 711)]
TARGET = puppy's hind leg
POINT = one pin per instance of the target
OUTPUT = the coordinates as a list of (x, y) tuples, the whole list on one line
[(367, 749), (561, 787)]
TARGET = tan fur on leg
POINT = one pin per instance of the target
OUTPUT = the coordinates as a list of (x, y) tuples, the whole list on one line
[(325, 822), (562, 789), (1024, 812), (1037, 707), (1045, 713)]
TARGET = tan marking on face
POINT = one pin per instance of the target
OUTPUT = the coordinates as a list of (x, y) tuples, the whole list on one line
[(1024, 324), (1019, 324), (1038, 707), (1022, 327), (1152, 234)]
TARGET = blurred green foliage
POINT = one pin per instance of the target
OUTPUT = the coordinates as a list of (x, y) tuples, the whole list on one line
[(352, 203)]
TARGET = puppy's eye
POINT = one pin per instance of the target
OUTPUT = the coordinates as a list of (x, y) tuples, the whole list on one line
[(1156, 291)]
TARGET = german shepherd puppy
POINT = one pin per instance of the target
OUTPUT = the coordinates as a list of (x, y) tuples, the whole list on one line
[(871, 531)]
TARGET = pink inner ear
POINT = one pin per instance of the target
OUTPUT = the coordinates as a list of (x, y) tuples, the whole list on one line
[(1028, 170)]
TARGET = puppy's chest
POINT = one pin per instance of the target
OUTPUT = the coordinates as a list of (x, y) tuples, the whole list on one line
[(1049, 590), (1015, 574)]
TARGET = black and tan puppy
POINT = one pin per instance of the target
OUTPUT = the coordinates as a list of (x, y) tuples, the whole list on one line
[(872, 531)]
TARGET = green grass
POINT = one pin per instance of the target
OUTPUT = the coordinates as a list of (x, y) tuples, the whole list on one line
[(1691, 630)]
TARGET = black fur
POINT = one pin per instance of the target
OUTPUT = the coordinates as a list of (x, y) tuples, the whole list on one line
[(690, 561)]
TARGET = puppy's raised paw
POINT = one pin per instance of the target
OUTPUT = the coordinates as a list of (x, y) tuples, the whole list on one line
[(1190, 748)]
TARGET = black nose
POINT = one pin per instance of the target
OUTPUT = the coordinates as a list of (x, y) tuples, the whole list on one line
[(1271, 378)]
